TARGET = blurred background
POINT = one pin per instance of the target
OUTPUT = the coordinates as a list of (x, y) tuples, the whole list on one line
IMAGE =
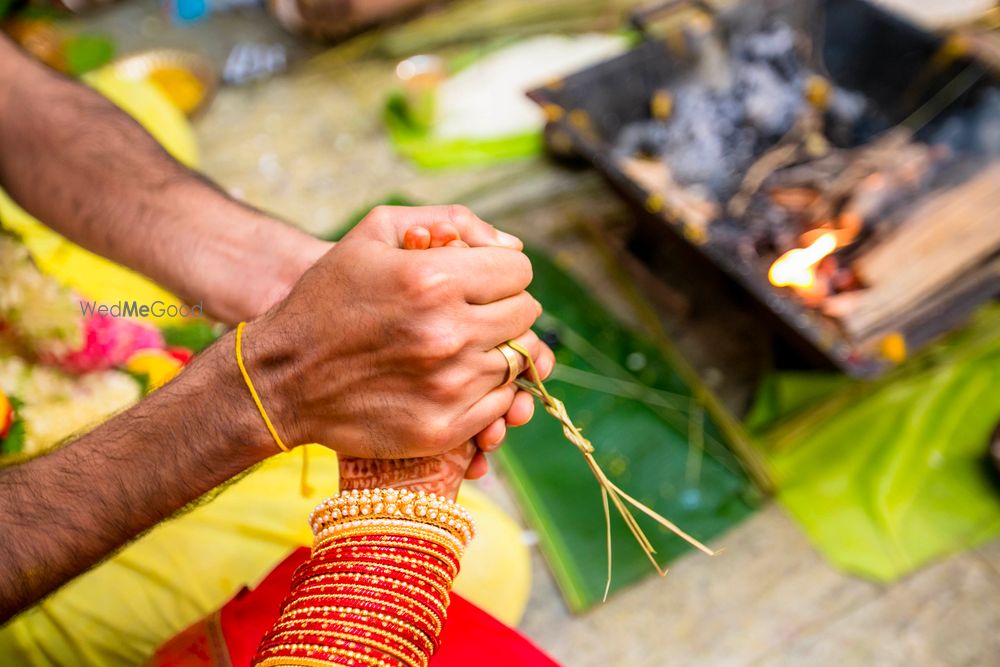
[(765, 234)]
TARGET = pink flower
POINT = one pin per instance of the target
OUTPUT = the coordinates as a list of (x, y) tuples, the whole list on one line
[(109, 342)]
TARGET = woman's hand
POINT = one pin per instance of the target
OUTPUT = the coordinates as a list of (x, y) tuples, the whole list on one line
[(442, 474)]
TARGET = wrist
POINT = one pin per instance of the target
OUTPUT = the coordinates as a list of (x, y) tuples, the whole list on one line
[(274, 366), (244, 261), (418, 474), (231, 418)]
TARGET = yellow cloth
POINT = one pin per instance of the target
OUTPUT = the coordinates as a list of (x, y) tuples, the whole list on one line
[(182, 570), (94, 277)]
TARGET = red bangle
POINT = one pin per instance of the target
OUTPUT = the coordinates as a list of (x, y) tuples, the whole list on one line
[(426, 546), (320, 614), (300, 630), (389, 537), (387, 556), (415, 615), (376, 556), (392, 553), (321, 652), (421, 622), (362, 624), (323, 563), (325, 580), (399, 648), (389, 571), (412, 593), (390, 549), (370, 593)]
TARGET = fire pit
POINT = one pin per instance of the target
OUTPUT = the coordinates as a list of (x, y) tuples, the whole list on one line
[(842, 165)]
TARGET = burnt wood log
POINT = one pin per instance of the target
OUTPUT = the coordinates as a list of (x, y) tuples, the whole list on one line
[(946, 235)]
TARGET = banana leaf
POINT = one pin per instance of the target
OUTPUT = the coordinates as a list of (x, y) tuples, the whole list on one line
[(889, 475), (652, 438), (425, 150)]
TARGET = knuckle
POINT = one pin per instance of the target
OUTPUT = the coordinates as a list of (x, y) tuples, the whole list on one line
[(441, 342), (522, 265), (427, 281), (460, 215), (379, 214), (445, 386), (437, 434)]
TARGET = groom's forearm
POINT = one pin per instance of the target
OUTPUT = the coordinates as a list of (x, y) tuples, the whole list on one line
[(67, 510), (85, 168)]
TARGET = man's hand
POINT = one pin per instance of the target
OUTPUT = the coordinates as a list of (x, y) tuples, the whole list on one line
[(383, 353), (86, 169)]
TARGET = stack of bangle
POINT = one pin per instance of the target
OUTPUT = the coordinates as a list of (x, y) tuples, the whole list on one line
[(375, 590)]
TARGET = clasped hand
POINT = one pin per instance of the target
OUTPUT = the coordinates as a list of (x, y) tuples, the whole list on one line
[(385, 353)]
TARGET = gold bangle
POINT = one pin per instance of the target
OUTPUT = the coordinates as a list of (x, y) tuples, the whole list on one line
[(389, 526), (326, 526), (395, 504)]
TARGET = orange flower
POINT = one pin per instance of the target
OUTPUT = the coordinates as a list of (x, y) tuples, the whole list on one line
[(6, 415)]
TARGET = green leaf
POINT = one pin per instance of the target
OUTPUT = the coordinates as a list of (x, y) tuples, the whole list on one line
[(13, 443), (88, 52), (141, 379), (888, 475), (433, 153), (640, 415), (195, 336)]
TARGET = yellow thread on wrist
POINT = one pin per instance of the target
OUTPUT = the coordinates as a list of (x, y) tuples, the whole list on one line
[(253, 392)]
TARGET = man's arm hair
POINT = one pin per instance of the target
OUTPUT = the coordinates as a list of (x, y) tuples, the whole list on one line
[(82, 166), (63, 512)]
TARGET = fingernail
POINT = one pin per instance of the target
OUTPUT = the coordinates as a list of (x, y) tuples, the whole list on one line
[(538, 306), (509, 240)]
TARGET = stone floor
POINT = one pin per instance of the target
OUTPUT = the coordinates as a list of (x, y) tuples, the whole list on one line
[(309, 146)]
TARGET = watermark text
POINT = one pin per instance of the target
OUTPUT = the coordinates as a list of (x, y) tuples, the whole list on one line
[(133, 308)]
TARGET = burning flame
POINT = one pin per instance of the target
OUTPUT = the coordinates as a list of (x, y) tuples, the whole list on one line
[(797, 267)]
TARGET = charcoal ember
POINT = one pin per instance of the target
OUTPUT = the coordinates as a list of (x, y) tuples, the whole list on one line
[(773, 228), (716, 131), (698, 144), (773, 46), (644, 139), (975, 130), (844, 279), (770, 103), (846, 117), (987, 124)]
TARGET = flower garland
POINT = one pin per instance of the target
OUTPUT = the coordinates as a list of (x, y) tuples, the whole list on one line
[(63, 371)]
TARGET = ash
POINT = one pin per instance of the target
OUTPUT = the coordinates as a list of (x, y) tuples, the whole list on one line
[(738, 104), (975, 130)]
